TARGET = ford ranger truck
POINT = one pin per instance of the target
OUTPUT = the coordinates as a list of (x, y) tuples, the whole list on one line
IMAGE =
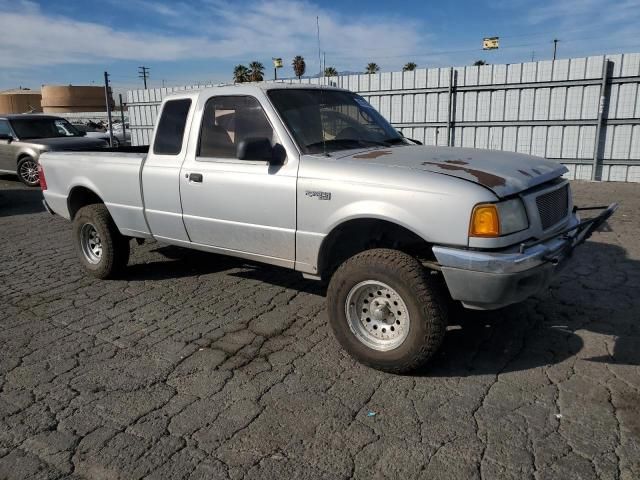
[(314, 179)]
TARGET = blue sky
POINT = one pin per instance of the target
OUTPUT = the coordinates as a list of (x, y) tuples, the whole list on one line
[(189, 41)]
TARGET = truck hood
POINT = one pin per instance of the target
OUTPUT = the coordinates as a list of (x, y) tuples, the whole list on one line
[(68, 143), (504, 173)]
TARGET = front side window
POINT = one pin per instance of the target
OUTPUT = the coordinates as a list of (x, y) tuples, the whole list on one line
[(171, 127), (32, 128), (4, 128), (227, 121), (334, 120)]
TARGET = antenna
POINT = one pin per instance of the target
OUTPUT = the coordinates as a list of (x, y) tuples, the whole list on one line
[(320, 78), (320, 84)]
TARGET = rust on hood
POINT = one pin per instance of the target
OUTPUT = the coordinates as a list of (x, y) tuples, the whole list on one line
[(484, 178), (457, 162), (525, 173), (373, 154)]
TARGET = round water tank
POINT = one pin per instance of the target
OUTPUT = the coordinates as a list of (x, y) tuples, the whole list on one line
[(73, 98), (19, 101)]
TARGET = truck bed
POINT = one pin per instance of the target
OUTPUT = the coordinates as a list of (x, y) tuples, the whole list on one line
[(114, 175)]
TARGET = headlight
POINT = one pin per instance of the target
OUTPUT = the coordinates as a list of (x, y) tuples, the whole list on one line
[(495, 219)]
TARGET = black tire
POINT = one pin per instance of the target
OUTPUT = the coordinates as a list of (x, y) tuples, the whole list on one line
[(27, 171), (423, 297), (114, 254)]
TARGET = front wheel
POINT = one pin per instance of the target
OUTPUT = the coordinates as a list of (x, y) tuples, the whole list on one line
[(101, 248), (28, 171), (386, 311)]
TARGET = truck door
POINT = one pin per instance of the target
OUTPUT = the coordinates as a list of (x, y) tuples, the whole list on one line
[(161, 171), (241, 207)]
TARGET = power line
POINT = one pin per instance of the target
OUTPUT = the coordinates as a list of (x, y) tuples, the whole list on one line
[(143, 74)]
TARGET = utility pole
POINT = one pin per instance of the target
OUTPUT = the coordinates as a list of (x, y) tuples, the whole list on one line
[(533, 55), (124, 127), (143, 73), (107, 92), (555, 47)]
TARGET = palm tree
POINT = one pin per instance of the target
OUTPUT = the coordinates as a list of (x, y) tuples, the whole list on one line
[(372, 68), (330, 72), (299, 66), (256, 71), (478, 63), (240, 74), (409, 67)]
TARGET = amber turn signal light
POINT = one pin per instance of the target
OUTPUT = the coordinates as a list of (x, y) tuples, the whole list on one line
[(485, 221)]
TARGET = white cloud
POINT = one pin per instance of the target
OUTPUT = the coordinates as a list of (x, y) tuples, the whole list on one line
[(213, 29)]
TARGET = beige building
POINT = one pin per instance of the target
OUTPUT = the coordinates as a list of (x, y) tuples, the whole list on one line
[(73, 98), (20, 101)]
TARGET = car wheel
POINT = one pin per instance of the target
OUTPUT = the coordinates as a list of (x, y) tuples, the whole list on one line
[(386, 311), (28, 171), (116, 142), (101, 248)]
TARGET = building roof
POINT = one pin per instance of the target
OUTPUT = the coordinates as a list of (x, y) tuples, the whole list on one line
[(20, 91)]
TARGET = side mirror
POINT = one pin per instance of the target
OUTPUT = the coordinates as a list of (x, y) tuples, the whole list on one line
[(259, 148), (6, 136)]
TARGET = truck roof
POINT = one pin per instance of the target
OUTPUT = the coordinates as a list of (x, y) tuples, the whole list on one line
[(252, 87)]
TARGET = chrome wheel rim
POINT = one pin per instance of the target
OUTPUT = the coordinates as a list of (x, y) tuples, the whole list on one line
[(29, 171), (91, 243), (377, 315)]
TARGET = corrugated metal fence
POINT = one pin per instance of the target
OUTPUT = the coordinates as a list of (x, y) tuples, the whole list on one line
[(584, 112)]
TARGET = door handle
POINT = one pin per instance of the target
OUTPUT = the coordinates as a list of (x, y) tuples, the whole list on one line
[(195, 177)]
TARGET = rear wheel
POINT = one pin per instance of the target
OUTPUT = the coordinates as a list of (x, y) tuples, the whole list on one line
[(386, 311), (101, 248), (28, 171)]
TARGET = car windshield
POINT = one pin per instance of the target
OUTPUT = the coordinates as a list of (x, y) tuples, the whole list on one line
[(330, 120), (31, 128)]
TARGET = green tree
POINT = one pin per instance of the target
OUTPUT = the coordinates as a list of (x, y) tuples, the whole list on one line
[(256, 71), (372, 68), (477, 63), (240, 74), (299, 66), (409, 67), (330, 72)]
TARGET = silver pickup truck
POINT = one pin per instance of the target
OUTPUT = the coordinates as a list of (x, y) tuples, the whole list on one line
[(314, 179)]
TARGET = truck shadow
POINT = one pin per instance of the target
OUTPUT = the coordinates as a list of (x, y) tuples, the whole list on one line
[(20, 200), (597, 293)]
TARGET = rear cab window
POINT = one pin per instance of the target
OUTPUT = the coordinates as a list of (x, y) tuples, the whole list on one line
[(170, 132)]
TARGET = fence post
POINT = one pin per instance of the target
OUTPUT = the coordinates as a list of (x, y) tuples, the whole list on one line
[(453, 75), (601, 126), (124, 128)]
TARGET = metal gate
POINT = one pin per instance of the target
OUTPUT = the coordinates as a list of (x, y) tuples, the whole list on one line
[(583, 112)]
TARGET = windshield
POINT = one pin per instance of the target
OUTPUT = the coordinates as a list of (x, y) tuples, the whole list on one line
[(30, 128), (332, 119)]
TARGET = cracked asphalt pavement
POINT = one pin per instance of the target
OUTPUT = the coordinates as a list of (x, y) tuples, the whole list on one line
[(199, 366)]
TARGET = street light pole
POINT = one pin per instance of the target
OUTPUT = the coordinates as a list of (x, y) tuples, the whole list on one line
[(555, 47)]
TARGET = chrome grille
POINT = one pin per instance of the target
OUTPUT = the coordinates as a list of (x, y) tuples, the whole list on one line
[(553, 206)]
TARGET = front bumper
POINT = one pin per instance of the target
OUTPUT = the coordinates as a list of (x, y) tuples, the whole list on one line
[(486, 280)]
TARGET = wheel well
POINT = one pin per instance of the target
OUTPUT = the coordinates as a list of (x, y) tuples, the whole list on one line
[(355, 236), (81, 197), (23, 155)]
